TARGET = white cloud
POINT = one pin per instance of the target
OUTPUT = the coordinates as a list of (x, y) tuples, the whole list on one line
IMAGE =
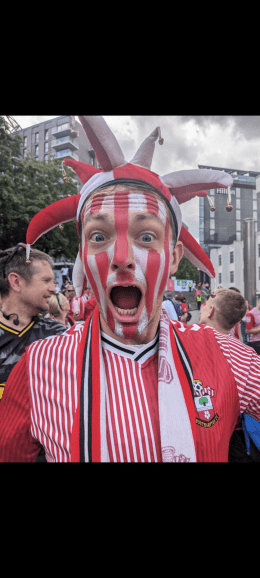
[(189, 141)]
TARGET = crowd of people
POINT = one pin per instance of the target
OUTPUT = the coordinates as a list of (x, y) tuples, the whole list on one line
[(106, 368)]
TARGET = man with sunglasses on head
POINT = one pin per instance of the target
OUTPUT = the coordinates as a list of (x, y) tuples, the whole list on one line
[(129, 385), (25, 289)]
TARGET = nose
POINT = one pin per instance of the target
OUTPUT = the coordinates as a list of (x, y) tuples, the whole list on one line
[(123, 255), (52, 287)]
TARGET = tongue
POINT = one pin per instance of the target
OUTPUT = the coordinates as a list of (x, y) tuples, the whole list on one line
[(126, 297)]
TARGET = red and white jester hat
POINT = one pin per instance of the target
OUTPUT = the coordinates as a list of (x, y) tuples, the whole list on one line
[(175, 188)]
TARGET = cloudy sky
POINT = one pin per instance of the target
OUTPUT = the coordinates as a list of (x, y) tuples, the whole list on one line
[(219, 141)]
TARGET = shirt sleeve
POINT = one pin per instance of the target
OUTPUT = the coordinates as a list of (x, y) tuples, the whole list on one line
[(16, 441), (245, 366)]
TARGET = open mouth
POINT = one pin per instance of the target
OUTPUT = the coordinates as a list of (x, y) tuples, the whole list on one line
[(126, 299)]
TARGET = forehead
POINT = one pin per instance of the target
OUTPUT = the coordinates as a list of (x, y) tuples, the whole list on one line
[(42, 268), (120, 199)]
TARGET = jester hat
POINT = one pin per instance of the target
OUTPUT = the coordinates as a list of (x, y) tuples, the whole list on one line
[(175, 188)]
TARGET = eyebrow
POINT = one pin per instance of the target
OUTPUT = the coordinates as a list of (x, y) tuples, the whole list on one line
[(104, 217)]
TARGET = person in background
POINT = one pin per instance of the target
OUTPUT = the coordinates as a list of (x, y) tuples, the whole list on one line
[(253, 327), (26, 289), (64, 271), (223, 310), (173, 307), (184, 308), (198, 297), (59, 307)]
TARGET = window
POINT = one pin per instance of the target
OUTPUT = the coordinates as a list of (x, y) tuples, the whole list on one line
[(24, 153), (258, 250), (219, 259), (259, 273), (36, 137), (37, 150), (46, 158), (220, 278), (231, 276), (231, 257), (25, 141), (45, 147), (46, 134)]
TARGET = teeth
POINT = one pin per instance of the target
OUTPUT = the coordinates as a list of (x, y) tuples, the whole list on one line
[(126, 311)]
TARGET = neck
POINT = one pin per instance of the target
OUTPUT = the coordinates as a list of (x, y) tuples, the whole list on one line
[(218, 327), (10, 306), (61, 317)]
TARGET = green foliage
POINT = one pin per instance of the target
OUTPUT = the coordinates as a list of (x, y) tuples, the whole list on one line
[(26, 187), (187, 270)]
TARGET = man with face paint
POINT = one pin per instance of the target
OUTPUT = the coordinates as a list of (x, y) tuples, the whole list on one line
[(129, 250), (129, 385)]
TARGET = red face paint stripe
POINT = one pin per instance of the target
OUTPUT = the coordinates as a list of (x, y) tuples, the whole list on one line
[(97, 203), (121, 217), (89, 275), (152, 270), (167, 259), (102, 262), (151, 203)]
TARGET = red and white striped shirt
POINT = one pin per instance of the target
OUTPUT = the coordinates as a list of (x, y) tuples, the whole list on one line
[(252, 321), (132, 401), (40, 397)]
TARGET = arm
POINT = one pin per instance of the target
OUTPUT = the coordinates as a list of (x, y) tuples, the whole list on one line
[(253, 331), (16, 441)]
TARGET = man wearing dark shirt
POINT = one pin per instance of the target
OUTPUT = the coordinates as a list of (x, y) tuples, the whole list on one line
[(25, 289)]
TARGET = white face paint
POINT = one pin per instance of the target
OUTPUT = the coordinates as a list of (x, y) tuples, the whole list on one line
[(127, 255)]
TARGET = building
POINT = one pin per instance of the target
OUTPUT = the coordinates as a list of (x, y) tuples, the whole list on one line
[(221, 227), (221, 232), (228, 258), (60, 138)]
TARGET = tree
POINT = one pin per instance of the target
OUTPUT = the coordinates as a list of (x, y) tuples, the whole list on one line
[(26, 187), (187, 270)]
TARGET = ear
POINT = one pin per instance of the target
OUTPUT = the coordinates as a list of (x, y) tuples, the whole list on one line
[(177, 255), (211, 312), (15, 282)]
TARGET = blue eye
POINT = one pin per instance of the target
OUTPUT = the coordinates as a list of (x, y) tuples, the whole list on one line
[(98, 237), (147, 238)]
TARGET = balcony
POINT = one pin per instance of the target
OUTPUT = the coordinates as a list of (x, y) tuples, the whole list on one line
[(65, 141), (66, 153), (62, 130)]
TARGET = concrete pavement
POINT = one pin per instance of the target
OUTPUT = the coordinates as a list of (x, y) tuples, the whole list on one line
[(194, 317)]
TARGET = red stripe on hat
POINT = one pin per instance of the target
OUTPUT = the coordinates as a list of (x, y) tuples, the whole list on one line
[(183, 197), (83, 170), (130, 171), (197, 252), (62, 211)]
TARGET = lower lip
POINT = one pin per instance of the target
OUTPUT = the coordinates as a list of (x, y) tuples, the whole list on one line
[(126, 318)]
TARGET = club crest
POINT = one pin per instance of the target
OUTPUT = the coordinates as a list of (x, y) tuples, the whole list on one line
[(204, 404)]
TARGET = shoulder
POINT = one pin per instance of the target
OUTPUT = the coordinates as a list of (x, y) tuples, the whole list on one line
[(74, 333), (49, 326)]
